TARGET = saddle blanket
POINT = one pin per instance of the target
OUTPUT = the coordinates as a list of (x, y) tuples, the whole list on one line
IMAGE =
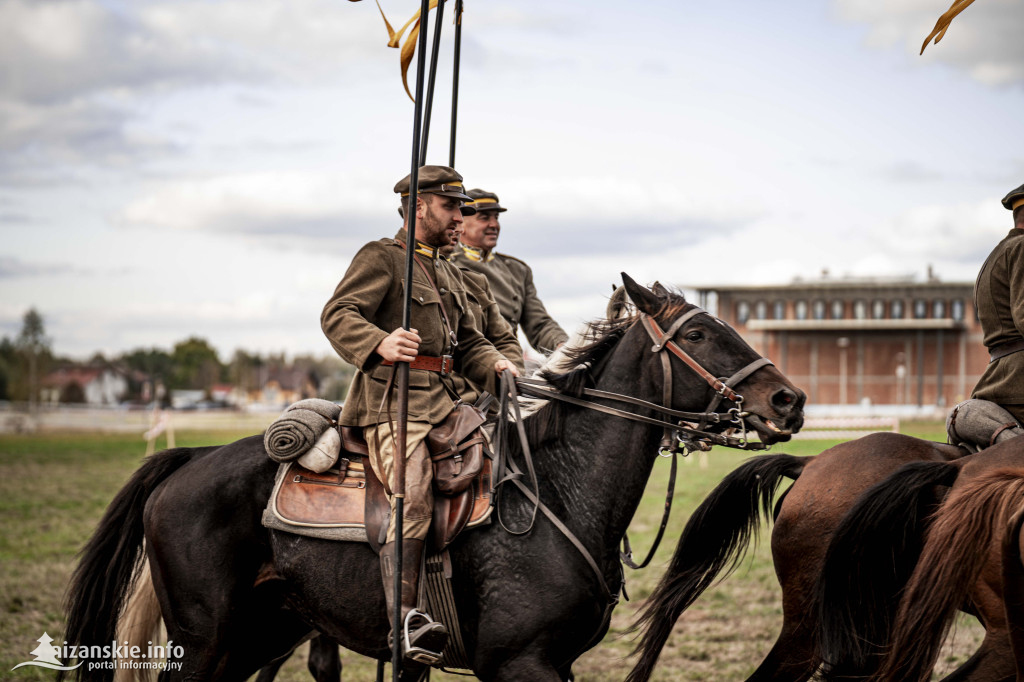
[(332, 505)]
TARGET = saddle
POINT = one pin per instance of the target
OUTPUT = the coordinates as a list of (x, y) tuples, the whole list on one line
[(348, 502)]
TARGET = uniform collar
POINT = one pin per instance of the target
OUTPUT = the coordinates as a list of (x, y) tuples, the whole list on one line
[(431, 252), (475, 254)]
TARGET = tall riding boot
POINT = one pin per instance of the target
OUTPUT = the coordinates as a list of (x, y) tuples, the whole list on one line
[(423, 638)]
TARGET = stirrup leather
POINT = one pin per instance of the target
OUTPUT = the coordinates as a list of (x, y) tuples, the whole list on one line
[(433, 634)]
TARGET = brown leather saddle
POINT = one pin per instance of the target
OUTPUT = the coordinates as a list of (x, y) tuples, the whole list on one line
[(348, 502)]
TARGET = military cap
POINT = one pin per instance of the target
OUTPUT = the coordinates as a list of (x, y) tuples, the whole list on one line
[(435, 180), (483, 200), (1011, 201)]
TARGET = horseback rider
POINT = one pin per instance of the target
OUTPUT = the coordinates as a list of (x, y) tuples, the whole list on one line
[(996, 410), (363, 322), (510, 279)]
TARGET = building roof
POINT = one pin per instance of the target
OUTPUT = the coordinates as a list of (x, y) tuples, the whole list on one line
[(71, 375), (867, 284)]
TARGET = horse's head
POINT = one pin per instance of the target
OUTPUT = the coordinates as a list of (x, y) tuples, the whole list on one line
[(773, 406)]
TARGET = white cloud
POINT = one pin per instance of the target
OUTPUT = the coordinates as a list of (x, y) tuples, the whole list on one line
[(983, 40), (57, 51), (76, 74), (271, 205)]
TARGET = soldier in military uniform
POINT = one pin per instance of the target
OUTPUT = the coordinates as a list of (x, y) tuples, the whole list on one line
[(363, 321), (510, 279), (999, 299)]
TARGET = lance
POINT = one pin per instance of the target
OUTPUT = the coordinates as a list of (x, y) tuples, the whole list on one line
[(455, 80), (435, 49), (403, 367)]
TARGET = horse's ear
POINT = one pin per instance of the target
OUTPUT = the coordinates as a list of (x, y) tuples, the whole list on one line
[(646, 300), (659, 290)]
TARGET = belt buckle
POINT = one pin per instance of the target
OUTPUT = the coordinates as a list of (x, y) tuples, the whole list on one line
[(446, 365)]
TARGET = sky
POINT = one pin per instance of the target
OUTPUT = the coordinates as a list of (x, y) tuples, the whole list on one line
[(171, 168)]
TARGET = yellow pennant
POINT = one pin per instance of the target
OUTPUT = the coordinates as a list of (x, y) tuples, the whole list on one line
[(944, 21), (408, 48)]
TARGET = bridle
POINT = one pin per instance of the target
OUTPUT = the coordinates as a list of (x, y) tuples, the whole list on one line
[(678, 437)]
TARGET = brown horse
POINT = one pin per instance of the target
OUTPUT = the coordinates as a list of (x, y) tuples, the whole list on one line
[(717, 535), (961, 566)]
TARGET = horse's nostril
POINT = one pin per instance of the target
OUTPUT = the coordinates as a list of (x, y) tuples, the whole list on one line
[(784, 399)]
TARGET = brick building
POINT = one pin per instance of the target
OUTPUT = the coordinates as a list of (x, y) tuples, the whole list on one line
[(862, 341)]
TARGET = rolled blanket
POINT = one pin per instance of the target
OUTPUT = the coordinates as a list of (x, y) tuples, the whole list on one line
[(297, 430), (324, 408)]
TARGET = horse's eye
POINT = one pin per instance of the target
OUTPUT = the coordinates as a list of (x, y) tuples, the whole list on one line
[(695, 336)]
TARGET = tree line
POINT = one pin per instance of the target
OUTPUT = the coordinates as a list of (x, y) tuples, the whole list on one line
[(191, 364)]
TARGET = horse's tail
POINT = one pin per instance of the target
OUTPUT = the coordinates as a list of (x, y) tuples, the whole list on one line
[(139, 624), (715, 539), (870, 557), (103, 578), (957, 547), (1013, 588)]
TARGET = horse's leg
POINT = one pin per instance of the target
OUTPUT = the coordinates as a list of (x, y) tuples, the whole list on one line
[(324, 659), (793, 658), (992, 662), (269, 671), (263, 635), (324, 662), (525, 666)]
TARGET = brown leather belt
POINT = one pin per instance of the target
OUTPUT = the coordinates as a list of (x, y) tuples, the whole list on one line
[(442, 365), (1001, 350)]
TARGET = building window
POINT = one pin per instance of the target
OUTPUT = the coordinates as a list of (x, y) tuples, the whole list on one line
[(742, 312), (897, 309), (800, 309), (860, 310), (818, 309), (760, 310), (878, 309), (779, 310), (920, 309), (957, 310), (837, 310), (938, 309)]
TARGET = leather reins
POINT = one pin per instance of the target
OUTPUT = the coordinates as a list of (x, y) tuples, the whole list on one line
[(676, 434)]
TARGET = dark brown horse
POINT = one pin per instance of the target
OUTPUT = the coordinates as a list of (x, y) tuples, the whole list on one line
[(717, 535), (235, 596)]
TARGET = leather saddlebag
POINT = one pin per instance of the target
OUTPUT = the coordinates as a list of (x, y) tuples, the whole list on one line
[(457, 447)]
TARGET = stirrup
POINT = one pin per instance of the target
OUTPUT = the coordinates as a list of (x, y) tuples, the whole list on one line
[(434, 636)]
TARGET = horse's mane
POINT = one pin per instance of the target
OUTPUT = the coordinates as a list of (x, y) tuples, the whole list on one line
[(572, 367)]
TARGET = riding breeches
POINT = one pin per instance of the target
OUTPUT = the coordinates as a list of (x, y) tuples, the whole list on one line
[(419, 494)]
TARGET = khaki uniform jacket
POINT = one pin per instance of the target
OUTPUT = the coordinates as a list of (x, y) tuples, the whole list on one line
[(511, 283), (487, 318), (999, 298), (367, 306)]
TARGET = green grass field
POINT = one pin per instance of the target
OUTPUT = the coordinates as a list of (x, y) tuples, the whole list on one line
[(55, 487)]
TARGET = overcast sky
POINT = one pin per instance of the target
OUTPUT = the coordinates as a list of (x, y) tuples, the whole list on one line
[(180, 167)]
